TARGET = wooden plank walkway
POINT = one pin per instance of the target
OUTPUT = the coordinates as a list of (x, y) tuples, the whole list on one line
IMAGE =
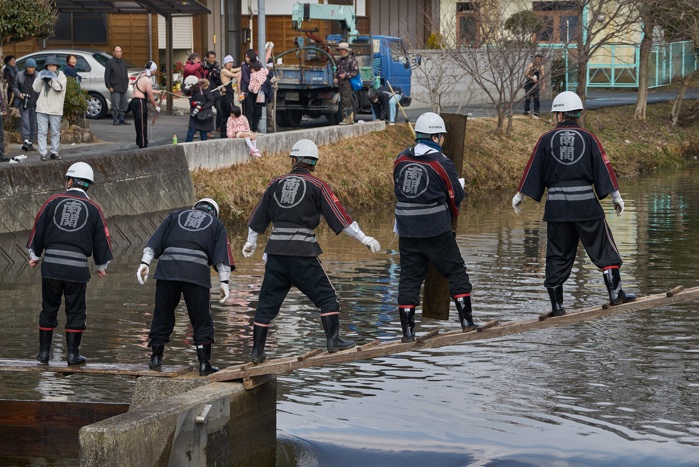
[(124, 369), (318, 358)]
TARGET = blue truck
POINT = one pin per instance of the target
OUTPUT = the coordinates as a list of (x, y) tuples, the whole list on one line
[(304, 74)]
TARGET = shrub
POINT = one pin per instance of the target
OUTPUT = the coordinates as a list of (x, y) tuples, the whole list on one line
[(75, 104)]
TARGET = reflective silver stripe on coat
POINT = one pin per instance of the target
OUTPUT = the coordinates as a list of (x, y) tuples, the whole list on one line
[(292, 230), (72, 254), (52, 255), (186, 251), (292, 234), (65, 262), (419, 212), (299, 238), (185, 254), (571, 193)]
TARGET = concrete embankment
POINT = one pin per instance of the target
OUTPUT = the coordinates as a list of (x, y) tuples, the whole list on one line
[(136, 182), (187, 422)]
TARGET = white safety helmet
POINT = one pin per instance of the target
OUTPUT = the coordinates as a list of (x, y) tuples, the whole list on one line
[(82, 171), (304, 148), (191, 80), (208, 204), (567, 101), (430, 123)]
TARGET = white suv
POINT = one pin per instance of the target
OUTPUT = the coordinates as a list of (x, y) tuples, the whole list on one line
[(90, 67)]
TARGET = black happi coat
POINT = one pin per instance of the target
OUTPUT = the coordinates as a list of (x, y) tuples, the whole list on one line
[(187, 244), (294, 203), (572, 164), (68, 229)]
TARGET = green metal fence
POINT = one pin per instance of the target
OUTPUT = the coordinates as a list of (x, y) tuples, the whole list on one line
[(616, 65)]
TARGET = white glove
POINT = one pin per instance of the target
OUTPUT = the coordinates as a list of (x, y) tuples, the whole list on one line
[(618, 204), (249, 249), (224, 292), (462, 181), (516, 201), (142, 273), (372, 243), (157, 109), (269, 45)]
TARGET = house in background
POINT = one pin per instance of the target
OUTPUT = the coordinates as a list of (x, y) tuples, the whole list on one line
[(224, 26), (612, 66)]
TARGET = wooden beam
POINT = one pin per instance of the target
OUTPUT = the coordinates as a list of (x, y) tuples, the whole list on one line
[(436, 301), (488, 331), (125, 369)]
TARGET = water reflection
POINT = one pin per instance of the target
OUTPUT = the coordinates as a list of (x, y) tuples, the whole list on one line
[(585, 394)]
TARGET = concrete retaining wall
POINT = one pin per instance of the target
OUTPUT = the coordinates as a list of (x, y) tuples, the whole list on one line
[(155, 430), (128, 183), (219, 153)]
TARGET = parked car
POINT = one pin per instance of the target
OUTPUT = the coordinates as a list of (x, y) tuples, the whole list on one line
[(90, 67)]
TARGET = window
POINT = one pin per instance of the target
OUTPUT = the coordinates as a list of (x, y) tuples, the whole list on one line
[(398, 53), (81, 27), (560, 19), (468, 20)]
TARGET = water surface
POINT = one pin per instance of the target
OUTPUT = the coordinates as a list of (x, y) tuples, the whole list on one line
[(616, 391)]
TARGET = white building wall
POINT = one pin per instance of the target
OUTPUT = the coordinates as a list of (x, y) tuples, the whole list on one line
[(283, 7)]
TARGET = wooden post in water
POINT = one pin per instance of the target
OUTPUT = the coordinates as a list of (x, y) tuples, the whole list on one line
[(436, 301)]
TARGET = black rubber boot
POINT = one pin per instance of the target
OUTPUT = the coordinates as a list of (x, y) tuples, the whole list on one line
[(612, 279), (73, 342), (556, 297), (259, 338), (204, 356), (331, 325), (156, 359), (463, 306), (407, 323), (45, 339)]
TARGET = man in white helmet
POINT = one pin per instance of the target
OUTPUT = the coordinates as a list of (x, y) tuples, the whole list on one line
[(293, 203), (571, 163), (187, 244), (142, 94), (428, 195), (68, 229)]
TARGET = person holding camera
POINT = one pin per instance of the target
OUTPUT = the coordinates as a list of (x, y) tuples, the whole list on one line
[(25, 100), (51, 87), (201, 117)]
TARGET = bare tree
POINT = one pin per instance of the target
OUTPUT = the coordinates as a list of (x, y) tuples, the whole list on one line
[(649, 11), (436, 73), (602, 22), (681, 22), (497, 63)]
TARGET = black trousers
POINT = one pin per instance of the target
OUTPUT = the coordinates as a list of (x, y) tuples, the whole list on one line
[(217, 106), (253, 112), (139, 108), (305, 273), (531, 93), (415, 255), (562, 246), (225, 105), (52, 290), (167, 297)]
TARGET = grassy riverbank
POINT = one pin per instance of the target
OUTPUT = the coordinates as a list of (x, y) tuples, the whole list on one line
[(359, 170)]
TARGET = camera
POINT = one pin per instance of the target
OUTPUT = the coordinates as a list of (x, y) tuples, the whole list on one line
[(25, 101)]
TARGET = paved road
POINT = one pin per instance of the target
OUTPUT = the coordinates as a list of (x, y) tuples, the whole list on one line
[(120, 138)]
